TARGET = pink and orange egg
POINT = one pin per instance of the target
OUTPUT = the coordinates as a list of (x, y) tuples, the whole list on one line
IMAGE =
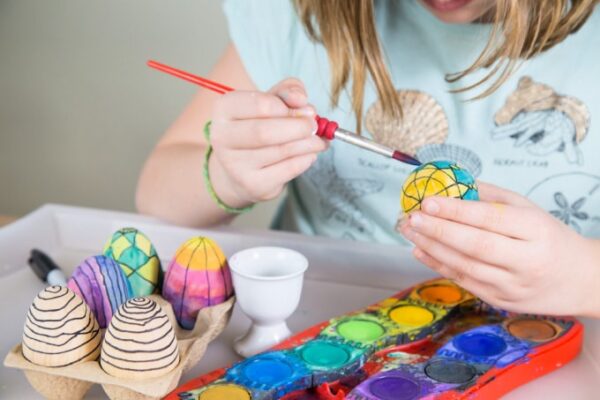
[(197, 277)]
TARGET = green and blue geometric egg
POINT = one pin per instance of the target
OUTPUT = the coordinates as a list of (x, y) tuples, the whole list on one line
[(138, 259)]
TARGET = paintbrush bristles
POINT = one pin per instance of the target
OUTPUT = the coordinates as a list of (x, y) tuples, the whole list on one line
[(405, 158)]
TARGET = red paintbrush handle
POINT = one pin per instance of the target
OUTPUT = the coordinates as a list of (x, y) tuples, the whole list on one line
[(186, 76), (326, 128)]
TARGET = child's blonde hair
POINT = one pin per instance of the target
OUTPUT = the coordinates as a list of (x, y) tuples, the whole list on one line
[(522, 29)]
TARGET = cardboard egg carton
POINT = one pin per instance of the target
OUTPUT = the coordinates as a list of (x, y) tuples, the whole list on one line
[(73, 382)]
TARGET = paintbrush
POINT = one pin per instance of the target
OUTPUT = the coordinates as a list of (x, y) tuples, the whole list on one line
[(326, 129)]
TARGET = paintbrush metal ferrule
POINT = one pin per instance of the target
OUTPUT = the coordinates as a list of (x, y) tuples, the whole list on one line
[(353, 138)]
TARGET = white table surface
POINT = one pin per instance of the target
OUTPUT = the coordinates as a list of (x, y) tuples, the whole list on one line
[(342, 277)]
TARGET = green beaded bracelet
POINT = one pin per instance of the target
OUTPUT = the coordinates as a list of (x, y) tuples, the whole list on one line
[(208, 183)]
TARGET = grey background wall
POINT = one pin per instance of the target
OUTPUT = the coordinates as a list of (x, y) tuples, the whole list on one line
[(79, 111)]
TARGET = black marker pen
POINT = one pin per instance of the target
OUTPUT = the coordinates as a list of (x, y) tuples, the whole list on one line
[(46, 269)]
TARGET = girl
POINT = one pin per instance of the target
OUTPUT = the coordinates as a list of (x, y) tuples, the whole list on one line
[(402, 72)]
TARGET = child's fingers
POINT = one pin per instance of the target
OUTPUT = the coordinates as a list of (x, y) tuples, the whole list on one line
[(281, 173), (433, 263), (428, 260), (493, 217), (292, 92), (259, 133), (240, 105), (267, 183), (482, 245), (267, 156), (494, 194), (482, 289), (459, 264), (274, 154)]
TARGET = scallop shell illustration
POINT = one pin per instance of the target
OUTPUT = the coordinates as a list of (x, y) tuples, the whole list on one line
[(535, 96), (423, 121), (140, 342), (462, 156), (60, 329)]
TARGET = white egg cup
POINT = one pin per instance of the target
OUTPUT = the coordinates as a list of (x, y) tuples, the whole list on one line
[(268, 284)]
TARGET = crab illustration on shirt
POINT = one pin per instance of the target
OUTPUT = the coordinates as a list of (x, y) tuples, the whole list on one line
[(543, 121)]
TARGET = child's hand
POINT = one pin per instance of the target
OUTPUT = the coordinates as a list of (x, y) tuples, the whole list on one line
[(508, 252), (261, 141)]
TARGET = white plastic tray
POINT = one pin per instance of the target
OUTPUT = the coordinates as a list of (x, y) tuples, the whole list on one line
[(343, 276)]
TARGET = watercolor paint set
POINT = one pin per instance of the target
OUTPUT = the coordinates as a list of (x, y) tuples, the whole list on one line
[(434, 340)]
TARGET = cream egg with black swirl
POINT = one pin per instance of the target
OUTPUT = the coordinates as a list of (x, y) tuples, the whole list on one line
[(60, 329), (140, 342)]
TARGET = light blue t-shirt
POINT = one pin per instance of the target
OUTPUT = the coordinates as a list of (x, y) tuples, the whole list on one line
[(538, 134)]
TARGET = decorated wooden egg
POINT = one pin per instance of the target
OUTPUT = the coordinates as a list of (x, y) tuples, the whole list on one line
[(140, 341), (101, 283), (437, 178), (60, 329), (137, 257), (197, 277)]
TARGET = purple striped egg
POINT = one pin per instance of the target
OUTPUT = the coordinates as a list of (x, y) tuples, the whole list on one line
[(101, 283)]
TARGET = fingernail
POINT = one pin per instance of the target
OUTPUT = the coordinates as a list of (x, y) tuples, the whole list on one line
[(284, 94), (409, 233), (415, 220), (302, 112), (315, 127), (402, 227), (306, 111), (418, 253), (297, 91), (431, 206), (287, 94)]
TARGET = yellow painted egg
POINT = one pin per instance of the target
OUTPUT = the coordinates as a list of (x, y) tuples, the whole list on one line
[(437, 178)]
